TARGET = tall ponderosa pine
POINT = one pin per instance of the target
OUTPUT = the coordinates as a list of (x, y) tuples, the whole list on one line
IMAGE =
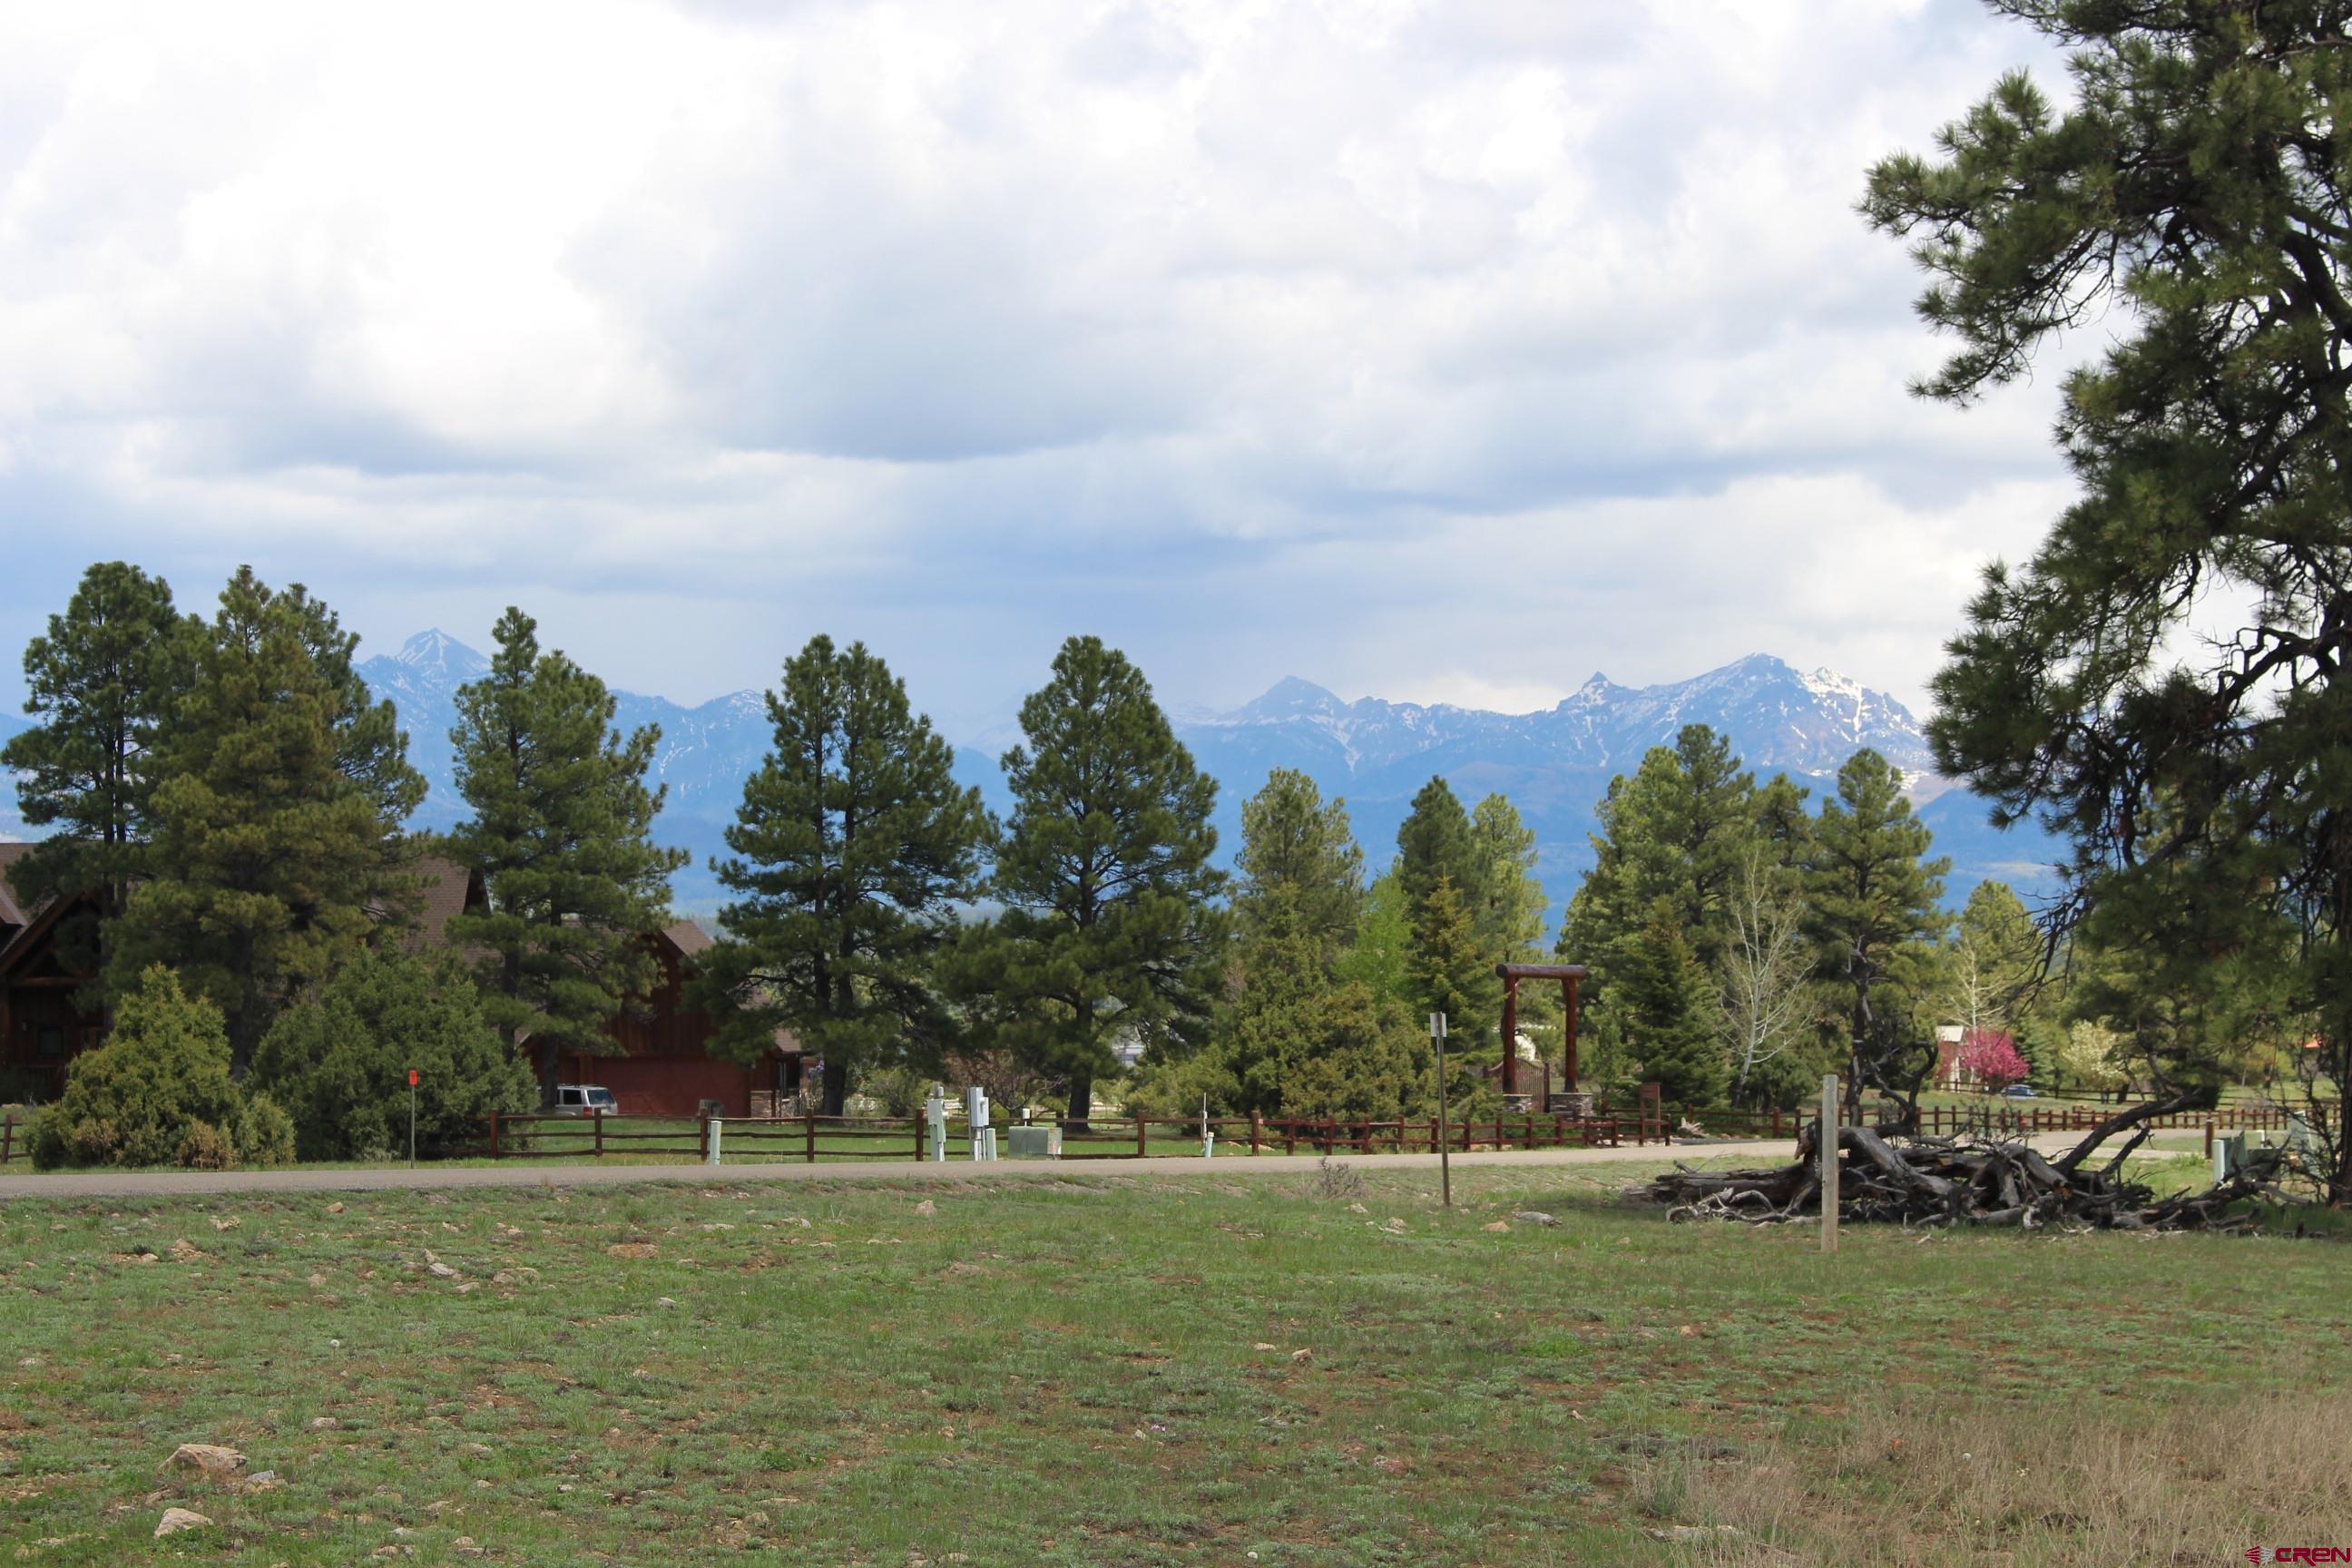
[(1451, 971), (1510, 912), (101, 683), (1434, 843), (1108, 928), (853, 844), (560, 831), (1874, 905), (1668, 1011), (1294, 839), (1676, 837), (2197, 196), (280, 789)]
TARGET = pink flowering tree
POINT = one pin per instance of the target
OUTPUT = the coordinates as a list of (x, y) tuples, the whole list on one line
[(1991, 1058)]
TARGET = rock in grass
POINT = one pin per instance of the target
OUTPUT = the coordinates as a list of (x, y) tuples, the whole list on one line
[(209, 1458), (185, 1251), (632, 1250), (1533, 1217), (176, 1519)]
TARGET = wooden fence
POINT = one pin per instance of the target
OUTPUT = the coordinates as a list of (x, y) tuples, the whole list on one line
[(812, 1138)]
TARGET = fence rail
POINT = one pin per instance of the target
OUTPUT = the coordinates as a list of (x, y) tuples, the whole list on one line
[(813, 1138)]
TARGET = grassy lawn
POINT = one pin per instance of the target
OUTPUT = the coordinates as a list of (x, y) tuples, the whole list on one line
[(1102, 1369)]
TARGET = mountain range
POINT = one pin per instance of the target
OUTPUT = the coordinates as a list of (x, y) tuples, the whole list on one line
[(1554, 764)]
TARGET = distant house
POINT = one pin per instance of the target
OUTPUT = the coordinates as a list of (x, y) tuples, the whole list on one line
[(665, 1068), (40, 1027)]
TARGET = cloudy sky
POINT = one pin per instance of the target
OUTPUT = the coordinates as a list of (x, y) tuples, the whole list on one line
[(1435, 349)]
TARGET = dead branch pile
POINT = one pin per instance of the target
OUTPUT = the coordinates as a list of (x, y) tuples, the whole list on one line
[(1951, 1181)]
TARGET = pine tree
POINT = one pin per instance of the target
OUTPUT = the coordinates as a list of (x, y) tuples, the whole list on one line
[(1292, 838), (1994, 963), (1379, 955), (852, 846), (1510, 912), (2197, 182), (281, 786), (1434, 842), (102, 682), (560, 832), (1451, 972), (1103, 873), (1668, 1011), (1873, 899)]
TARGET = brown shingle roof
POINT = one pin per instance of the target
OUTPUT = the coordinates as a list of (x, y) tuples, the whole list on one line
[(687, 938), (449, 890)]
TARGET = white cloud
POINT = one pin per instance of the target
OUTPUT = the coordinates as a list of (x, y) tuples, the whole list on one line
[(1415, 346)]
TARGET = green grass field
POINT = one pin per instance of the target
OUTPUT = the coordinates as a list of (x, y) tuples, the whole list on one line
[(1101, 1369)]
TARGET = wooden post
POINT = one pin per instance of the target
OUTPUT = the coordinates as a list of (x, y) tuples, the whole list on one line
[(702, 1148), (8, 1138), (1511, 1034), (599, 1116), (808, 1129), (494, 1135), (1568, 987), (1257, 1130), (1829, 1153), (918, 1139), (1290, 1136), (1139, 1125), (2209, 1139), (1444, 1159)]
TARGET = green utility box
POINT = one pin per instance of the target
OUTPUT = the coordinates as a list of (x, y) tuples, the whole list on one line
[(1033, 1143)]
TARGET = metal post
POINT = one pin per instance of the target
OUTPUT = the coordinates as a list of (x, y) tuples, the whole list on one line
[(711, 1134), (1828, 1154), (412, 1121), (1444, 1159)]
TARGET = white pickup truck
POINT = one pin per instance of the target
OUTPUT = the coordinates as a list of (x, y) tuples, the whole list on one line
[(584, 1099)]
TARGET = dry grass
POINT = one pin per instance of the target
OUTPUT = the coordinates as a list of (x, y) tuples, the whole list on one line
[(2185, 1482)]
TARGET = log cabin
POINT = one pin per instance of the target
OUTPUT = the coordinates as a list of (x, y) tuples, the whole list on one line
[(664, 1066)]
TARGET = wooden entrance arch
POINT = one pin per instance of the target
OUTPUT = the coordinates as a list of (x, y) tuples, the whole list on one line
[(1568, 974)]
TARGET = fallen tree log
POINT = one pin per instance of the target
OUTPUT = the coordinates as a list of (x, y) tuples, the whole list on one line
[(1954, 1181)]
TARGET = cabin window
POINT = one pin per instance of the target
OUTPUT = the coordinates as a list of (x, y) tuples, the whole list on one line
[(49, 1041)]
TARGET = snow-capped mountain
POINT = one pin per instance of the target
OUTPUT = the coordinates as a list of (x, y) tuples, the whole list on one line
[(1553, 764), (705, 754), (1776, 717)]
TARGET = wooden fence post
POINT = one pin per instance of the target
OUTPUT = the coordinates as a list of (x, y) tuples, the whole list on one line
[(1290, 1136), (1139, 1125), (808, 1129), (599, 1116), (1828, 1156), (494, 1135), (918, 1139), (8, 1138), (702, 1141), (1257, 1130)]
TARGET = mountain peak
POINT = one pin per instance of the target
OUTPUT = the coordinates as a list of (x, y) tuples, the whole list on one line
[(434, 651), (1289, 697)]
